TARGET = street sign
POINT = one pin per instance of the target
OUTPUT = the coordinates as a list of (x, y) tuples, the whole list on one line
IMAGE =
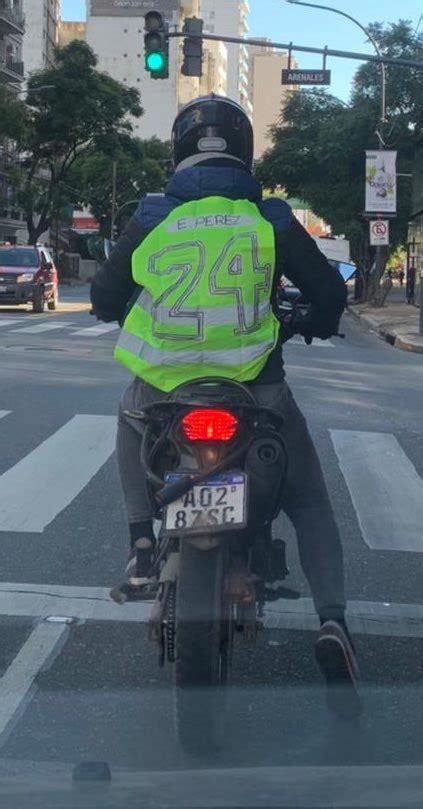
[(306, 77), (132, 8), (379, 232)]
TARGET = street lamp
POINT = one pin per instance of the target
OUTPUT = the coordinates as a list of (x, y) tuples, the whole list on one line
[(371, 39)]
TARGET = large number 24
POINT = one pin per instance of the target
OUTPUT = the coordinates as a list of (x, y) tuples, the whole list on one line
[(236, 271)]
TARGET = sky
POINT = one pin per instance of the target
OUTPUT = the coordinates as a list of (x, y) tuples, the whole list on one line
[(305, 26)]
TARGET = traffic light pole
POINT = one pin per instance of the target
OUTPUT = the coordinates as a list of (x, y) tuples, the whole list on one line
[(284, 46)]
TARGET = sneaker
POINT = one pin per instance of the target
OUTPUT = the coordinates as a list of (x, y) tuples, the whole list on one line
[(336, 657), (140, 583)]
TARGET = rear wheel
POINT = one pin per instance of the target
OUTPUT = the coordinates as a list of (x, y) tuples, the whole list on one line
[(203, 649), (38, 301), (54, 301)]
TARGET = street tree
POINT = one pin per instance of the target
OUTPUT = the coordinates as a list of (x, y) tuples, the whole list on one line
[(318, 147), (142, 166), (74, 109)]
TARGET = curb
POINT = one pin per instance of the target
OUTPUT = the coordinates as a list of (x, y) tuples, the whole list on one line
[(405, 342)]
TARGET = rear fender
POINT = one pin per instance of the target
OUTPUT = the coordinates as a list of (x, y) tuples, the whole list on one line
[(205, 543)]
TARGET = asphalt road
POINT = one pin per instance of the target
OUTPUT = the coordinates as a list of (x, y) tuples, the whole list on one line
[(91, 689)]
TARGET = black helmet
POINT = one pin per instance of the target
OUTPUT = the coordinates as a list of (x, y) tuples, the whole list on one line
[(212, 127)]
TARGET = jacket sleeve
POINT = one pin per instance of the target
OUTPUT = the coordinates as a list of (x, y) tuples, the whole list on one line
[(299, 258), (113, 286)]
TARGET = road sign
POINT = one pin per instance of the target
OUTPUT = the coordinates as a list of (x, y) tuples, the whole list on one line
[(306, 76), (379, 232)]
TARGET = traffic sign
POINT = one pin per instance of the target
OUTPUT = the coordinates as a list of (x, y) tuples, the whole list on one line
[(379, 232), (306, 76)]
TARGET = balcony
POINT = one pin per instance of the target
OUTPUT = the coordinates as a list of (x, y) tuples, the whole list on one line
[(11, 70), (12, 20)]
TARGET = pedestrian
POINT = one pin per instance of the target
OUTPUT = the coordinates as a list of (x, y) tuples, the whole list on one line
[(401, 276)]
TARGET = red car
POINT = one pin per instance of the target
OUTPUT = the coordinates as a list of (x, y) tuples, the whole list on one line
[(28, 275)]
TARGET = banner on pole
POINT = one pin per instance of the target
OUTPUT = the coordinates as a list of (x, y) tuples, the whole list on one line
[(379, 232), (381, 181)]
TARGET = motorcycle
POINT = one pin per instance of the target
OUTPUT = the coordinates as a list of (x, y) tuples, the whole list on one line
[(216, 465)]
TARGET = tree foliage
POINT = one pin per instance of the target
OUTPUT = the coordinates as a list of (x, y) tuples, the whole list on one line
[(318, 150), (13, 115), (142, 167), (73, 109)]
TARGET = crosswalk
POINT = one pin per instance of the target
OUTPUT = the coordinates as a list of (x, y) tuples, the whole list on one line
[(44, 483), (50, 326), (54, 327)]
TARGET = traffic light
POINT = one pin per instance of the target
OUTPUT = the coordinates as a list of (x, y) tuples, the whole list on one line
[(156, 43), (193, 48)]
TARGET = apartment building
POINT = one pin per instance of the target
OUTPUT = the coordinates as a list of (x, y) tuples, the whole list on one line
[(266, 92), (230, 18), (41, 34), (12, 26)]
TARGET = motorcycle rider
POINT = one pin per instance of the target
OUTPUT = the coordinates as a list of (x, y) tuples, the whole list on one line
[(212, 144)]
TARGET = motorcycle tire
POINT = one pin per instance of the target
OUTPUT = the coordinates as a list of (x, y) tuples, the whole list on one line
[(38, 301), (203, 650)]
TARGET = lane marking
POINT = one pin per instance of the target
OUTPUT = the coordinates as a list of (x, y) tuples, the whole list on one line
[(41, 485), (4, 413), (41, 327), (96, 331), (385, 488), (94, 604), (17, 684)]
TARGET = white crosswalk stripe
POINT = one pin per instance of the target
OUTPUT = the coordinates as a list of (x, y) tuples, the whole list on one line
[(49, 327), (9, 321), (390, 515), (4, 413), (317, 343), (96, 331), (46, 481), (39, 328)]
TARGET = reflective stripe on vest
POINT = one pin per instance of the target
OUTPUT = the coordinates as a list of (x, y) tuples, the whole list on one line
[(206, 274)]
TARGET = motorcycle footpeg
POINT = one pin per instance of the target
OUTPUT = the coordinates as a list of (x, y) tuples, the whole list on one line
[(125, 593)]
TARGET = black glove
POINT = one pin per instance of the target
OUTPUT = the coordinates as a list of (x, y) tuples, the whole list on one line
[(310, 324)]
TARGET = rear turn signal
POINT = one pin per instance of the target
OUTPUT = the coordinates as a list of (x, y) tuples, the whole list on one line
[(209, 425)]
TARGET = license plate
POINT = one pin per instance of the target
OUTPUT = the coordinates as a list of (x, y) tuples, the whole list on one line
[(3, 289), (218, 504)]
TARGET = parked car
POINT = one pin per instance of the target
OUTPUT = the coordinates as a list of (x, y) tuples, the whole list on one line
[(28, 275)]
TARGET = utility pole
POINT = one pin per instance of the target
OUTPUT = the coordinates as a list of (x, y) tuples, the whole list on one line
[(380, 251), (113, 216), (421, 302)]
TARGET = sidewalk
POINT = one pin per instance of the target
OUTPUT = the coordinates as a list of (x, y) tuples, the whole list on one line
[(396, 322)]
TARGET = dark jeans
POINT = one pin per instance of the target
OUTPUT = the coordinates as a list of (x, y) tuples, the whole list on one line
[(305, 499)]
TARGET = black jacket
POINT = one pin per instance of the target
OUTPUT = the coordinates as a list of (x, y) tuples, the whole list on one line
[(297, 255)]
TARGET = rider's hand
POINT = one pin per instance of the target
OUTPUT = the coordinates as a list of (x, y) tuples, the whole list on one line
[(313, 325)]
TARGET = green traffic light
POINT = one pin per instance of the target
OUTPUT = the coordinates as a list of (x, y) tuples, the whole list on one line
[(155, 62)]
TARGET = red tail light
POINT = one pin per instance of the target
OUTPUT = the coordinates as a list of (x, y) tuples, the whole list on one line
[(209, 425)]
